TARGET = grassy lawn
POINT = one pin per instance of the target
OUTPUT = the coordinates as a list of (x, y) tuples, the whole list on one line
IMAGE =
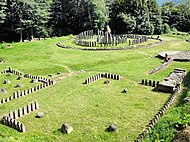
[(90, 109)]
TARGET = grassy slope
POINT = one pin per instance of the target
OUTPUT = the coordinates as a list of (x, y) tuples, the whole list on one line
[(90, 109)]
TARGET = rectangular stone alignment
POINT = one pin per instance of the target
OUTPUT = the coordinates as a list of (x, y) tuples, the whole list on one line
[(10, 119), (102, 75)]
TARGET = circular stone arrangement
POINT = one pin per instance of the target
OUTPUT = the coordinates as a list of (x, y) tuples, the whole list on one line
[(90, 40), (176, 55)]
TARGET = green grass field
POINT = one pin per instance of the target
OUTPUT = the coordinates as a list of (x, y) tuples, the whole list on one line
[(90, 109)]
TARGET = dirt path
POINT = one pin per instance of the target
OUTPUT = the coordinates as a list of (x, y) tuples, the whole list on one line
[(66, 75), (69, 70)]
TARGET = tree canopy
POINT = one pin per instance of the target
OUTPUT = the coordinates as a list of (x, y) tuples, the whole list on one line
[(24, 19)]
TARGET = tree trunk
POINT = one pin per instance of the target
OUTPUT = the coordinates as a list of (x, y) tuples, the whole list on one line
[(20, 31), (32, 34), (89, 15)]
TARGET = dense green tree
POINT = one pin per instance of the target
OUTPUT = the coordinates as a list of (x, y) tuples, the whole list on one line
[(70, 16), (2, 10), (177, 16), (127, 12), (74, 16), (155, 16), (25, 19), (101, 13)]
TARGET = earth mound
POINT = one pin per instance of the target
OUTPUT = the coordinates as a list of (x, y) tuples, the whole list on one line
[(183, 135)]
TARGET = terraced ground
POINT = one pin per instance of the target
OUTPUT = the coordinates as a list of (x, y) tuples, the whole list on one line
[(90, 109)]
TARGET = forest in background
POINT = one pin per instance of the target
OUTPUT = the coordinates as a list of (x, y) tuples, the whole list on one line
[(25, 19)]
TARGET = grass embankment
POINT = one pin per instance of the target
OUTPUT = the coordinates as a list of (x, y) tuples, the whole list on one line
[(88, 108)]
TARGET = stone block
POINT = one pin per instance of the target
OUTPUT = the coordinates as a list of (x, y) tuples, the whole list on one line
[(154, 84), (150, 82), (107, 82), (40, 115), (24, 111), (20, 112), (66, 128), (15, 114), (11, 114), (146, 82), (32, 105), (2, 100), (11, 98), (142, 81), (6, 82), (7, 100), (20, 77), (113, 128), (125, 90), (28, 109), (22, 128), (36, 105)]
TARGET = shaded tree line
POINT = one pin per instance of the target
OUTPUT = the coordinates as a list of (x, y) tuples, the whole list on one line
[(25, 19)]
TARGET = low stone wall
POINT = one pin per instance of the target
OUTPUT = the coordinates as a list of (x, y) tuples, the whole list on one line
[(18, 94), (161, 66), (150, 82), (102, 75), (10, 119), (158, 116), (161, 112)]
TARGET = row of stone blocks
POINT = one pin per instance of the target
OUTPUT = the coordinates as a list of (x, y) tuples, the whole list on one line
[(102, 75), (3, 72), (85, 34), (40, 79), (45, 83), (13, 124), (19, 94), (137, 41), (150, 82), (113, 48), (158, 116), (10, 120), (10, 70), (136, 36)]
